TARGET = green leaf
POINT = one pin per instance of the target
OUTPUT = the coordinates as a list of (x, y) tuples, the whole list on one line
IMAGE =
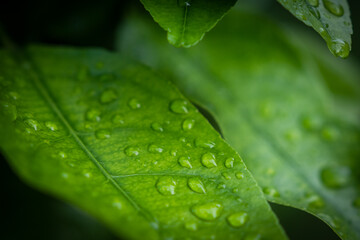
[(330, 18), (123, 144), (282, 103), (186, 21)]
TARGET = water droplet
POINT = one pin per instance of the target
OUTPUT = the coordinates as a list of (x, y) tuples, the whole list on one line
[(207, 211), (155, 149), (221, 186), (229, 162), (64, 175), (192, 226), (9, 111), (339, 48), (315, 12), (313, 3), (166, 186), (33, 124), (239, 175), (226, 175), (108, 96), (131, 151), (335, 177), (118, 119), (356, 202), (237, 219), (184, 3), (157, 127), (179, 106), (314, 201), (51, 125), (102, 134), (62, 154), (199, 142), (134, 103), (272, 192), (235, 190), (309, 124), (334, 8), (117, 204), (188, 124), (184, 162), (87, 174), (208, 160), (196, 185), (14, 95), (93, 115), (270, 171), (173, 153)]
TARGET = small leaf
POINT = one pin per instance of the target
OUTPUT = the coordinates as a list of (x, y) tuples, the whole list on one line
[(330, 18), (108, 136), (290, 110), (186, 21)]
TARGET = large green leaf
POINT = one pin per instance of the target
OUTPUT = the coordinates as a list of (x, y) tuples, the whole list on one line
[(290, 111), (186, 21), (123, 144), (330, 18)]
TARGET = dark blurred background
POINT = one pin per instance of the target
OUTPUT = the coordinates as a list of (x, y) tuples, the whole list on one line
[(29, 214)]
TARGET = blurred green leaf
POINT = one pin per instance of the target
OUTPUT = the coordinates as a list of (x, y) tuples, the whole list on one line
[(123, 144), (330, 18), (186, 21), (290, 110)]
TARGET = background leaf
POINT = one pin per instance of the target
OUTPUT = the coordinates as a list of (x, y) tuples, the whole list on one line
[(330, 18), (123, 144), (186, 21), (288, 108)]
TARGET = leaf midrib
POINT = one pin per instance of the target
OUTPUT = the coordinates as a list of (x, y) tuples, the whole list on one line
[(45, 93)]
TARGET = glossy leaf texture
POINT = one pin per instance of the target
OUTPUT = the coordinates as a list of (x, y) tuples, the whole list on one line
[(123, 144), (330, 18), (186, 21), (290, 109)]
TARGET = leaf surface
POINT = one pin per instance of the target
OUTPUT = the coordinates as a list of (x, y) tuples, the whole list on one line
[(123, 144), (289, 110), (330, 18), (187, 21)]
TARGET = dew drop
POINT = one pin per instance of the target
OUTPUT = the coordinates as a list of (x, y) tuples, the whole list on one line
[(64, 175), (188, 124), (309, 124), (221, 186), (314, 201), (253, 237), (131, 151), (157, 127), (339, 48), (14, 95), (51, 125), (208, 160), (226, 175), (239, 175), (315, 12), (102, 134), (108, 96), (184, 3), (237, 219), (334, 8), (207, 211), (235, 190), (62, 154), (191, 226), (313, 3), (199, 142), (9, 111), (272, 192), (196, 185), (134, 103), (93, 115), (33, 124), (117, 119), (155, 149), (179, 106), (184, 162), (166, 186), (335, 177), (229, 162), (117, 204)]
